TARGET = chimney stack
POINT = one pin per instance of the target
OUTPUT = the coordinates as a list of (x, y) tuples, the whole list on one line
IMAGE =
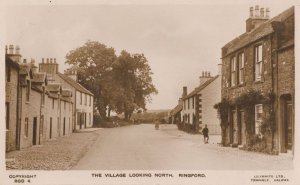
[(205, 76), (184, 91), (24, 61), (256, 18)]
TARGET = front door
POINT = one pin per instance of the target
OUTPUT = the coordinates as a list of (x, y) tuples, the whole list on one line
[(64, 127), (34, 131)]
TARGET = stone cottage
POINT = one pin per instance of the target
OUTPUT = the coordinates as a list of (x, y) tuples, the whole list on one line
[(258, 84), (198, 106)]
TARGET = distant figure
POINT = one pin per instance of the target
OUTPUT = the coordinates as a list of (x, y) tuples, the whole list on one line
[(156, 124), (205, 134)]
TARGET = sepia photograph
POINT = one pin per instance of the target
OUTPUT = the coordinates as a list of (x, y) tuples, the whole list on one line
[(159, 92)]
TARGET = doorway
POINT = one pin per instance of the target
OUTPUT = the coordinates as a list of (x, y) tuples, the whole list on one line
[(34, 131), (287, 125)]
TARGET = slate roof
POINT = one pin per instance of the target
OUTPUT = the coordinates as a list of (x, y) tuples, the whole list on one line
[(10, 62), (199, 88), (261, 31), (66, 93), (176, 109), (39, 77), (74, 84), (53, 87), (24, 69)]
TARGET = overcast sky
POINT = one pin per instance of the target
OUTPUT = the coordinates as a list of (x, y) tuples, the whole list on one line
[(179, 40)]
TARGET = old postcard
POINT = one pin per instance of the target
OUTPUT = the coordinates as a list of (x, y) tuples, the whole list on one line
[(150, 92)]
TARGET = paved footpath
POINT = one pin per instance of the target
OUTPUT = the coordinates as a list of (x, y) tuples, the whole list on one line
[(57, 154), (141, 147)]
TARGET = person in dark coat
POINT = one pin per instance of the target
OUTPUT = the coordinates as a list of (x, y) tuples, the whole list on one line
[(205, 134)]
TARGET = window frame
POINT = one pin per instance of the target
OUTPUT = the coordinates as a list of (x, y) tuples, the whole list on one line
[(241, 68), (26, 127), (233, 68), (258, 61)]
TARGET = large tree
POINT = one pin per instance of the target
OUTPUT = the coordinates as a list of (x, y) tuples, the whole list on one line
[(122, 84), (93, 63), (132, 74)]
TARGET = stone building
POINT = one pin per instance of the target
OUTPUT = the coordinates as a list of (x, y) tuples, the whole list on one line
[(12, 69), (83, 99), (258, 84), (35, 110), (198, 106)]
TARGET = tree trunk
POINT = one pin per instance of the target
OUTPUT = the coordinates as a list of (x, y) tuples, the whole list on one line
[(108, 113)]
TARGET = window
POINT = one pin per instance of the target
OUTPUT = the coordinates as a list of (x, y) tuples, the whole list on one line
[(28, 90), (50, 134), (85, 99), (258, 118), (80, 98), (64, 105), (53, 103), (90, 100), (233, 71), (26, 127), (241, 64), (258, 62), (188, 103), (7, 114)]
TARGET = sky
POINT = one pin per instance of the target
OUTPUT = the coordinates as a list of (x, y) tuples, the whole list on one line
[(180, 40)]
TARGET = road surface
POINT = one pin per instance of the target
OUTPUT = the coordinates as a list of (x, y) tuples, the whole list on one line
[(141, 147)]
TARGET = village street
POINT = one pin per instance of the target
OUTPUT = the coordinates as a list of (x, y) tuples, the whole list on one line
[(141, 147)]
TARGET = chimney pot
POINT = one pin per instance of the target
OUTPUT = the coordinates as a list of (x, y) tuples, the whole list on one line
[(251, 11), (17, 50), (51, 60), (47, 60), (6, 49), (55, 60), (267, 12), (11, 49), (256, 11), (43, 60), (262, 12), (24, 61)]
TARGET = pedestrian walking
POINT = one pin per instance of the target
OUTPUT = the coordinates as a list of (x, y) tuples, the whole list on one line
[(205, 134)]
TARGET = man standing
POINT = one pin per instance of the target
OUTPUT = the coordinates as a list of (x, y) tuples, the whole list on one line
[(205, 134)]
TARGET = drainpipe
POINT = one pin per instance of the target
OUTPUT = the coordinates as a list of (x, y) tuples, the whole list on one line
[(19, 113)]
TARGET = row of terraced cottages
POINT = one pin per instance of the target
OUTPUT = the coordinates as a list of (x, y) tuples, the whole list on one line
[(41, 103), (258, 84)]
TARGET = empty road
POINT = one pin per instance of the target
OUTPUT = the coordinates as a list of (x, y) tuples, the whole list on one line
[(141, 147)]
